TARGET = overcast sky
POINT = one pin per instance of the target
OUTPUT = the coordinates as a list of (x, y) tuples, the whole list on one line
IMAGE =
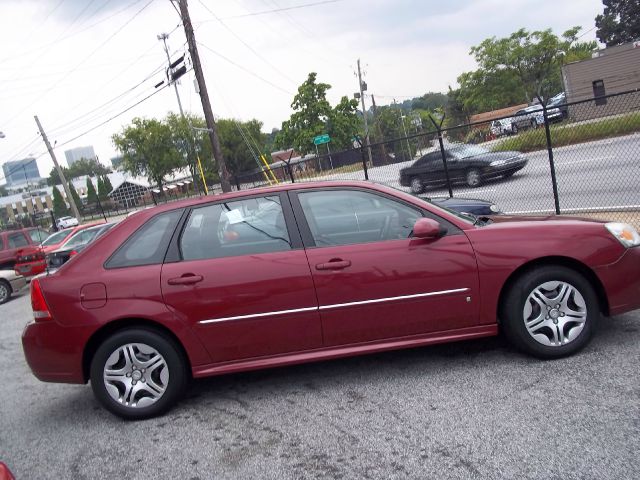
[(77, 63)]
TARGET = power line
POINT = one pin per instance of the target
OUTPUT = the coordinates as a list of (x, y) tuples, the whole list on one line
[(257, 54), (278, 87), (81, 62), (275, 10)]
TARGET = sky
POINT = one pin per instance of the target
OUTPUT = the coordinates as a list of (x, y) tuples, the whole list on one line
[(86, 67)]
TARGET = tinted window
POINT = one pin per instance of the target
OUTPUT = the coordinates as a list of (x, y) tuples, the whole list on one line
[(242, 227), (17, 240), (346, 217), (148, 244)]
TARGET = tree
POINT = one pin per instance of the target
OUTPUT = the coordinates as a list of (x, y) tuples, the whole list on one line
[(54, 178), (242, 144), (60, 208), (147, 148), (102, 191), (311, 112), (92, 196), (80, 168), (107, 184), (619, 23), (74, 195), (518, 68), (343, 123)]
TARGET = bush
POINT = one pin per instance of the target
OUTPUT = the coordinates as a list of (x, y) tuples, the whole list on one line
[(570, 134)]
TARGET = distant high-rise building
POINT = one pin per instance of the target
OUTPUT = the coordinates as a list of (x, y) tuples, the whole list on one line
[(78, 153), (21, 171)]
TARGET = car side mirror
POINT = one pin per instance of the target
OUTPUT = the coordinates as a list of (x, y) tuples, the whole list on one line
[(427, 228)]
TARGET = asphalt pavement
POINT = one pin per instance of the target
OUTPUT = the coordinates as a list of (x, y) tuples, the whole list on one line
[(471, 410)]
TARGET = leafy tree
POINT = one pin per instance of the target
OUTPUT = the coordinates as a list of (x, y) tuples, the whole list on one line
[(242, 143), (519, 67), (78, 169), (60, 208), (430, 101), (102, 190), (343, 123), (619, 23), (74, 195), (147, 147), (54, 178), (311, 112), (92, 196)]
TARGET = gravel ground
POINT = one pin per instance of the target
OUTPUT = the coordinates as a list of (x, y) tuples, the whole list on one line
[(471, 410)]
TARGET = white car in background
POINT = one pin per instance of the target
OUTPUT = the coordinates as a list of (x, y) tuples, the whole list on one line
[(10, 283), (501, 127), (66, 222)]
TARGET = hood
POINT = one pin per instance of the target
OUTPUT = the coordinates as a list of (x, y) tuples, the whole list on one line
[(543, 218), (448, 202)]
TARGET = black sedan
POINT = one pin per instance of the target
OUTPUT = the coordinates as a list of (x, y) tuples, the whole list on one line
[(75, 245), (467, 164), (466, 205)]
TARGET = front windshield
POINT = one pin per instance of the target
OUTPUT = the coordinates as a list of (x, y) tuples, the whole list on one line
[(466, 151), (55, 238)]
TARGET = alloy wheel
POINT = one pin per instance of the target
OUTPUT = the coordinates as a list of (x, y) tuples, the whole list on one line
[(4, 292), (555, 313)]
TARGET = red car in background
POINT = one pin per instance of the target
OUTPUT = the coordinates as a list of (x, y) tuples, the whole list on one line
[(315, 271), (31, 260)]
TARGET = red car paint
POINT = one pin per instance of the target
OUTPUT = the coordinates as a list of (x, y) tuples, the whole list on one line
[(469, 271)]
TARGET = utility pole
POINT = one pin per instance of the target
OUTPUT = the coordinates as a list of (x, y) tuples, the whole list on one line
[(74, 207), (204, 97), (363, 88), (191, 140)]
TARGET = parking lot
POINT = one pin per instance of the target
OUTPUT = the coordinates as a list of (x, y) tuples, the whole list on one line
[(469, 410)]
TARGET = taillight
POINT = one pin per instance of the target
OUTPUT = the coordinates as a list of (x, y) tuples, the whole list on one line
[(73, 253), (38, 303)]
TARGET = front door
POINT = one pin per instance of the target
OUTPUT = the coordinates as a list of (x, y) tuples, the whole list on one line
[(372, 279), (242, 280)]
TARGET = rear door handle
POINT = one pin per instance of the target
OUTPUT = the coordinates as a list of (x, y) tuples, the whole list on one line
[(186, 279), (334, 265)]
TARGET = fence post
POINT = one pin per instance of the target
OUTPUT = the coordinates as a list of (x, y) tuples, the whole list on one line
[(235, 177), (364, 161), (552, 166), (443, 153), (293, 180)]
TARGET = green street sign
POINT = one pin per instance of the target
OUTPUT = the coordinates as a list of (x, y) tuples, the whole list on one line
[(320, 139)]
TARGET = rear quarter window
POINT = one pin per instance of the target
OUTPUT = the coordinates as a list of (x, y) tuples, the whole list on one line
[(148, 244)]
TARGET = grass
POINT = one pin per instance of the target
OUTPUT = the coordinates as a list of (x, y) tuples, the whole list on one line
[(561, 135)]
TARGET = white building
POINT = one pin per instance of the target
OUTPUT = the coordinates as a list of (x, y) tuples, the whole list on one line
[(77, 153)]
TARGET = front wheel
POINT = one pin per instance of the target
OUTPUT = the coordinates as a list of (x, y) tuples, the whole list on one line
[(550, 312), (138, 373), (5, 291), (416, 185)]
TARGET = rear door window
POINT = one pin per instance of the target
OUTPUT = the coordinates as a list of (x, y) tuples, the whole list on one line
[(17, 240), (242, 227)]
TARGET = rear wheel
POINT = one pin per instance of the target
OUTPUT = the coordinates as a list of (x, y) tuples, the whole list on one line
[(416, 185), (514, 129), (550, 312), (138, 373), (534, 124), (5, 291)]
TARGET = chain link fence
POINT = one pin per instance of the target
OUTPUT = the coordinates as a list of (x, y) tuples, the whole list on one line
[(578, 158)]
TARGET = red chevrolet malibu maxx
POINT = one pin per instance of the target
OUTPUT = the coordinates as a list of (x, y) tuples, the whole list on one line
[(297, 273)]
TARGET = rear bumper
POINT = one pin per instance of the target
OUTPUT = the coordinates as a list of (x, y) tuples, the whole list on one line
[(621, 281), (54, 353)]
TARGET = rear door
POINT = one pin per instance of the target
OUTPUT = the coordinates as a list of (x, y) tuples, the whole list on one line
[(239, 275)]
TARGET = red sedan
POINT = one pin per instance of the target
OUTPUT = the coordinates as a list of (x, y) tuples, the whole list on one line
[(305, 272)]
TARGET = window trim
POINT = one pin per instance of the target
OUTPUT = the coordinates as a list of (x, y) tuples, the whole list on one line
[(174, 253), (305, 230)]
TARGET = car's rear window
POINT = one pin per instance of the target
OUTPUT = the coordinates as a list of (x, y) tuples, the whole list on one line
[(55, 238), (148, 245)]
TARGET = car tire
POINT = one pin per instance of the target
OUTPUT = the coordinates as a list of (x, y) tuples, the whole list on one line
[(473, 178), (509, 174), (416, 185), (534, 124), (514, 129), (138, 373), (5, 291), (550, 312)]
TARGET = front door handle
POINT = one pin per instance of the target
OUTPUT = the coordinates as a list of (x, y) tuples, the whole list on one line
[(186, 279), (334, 264)]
